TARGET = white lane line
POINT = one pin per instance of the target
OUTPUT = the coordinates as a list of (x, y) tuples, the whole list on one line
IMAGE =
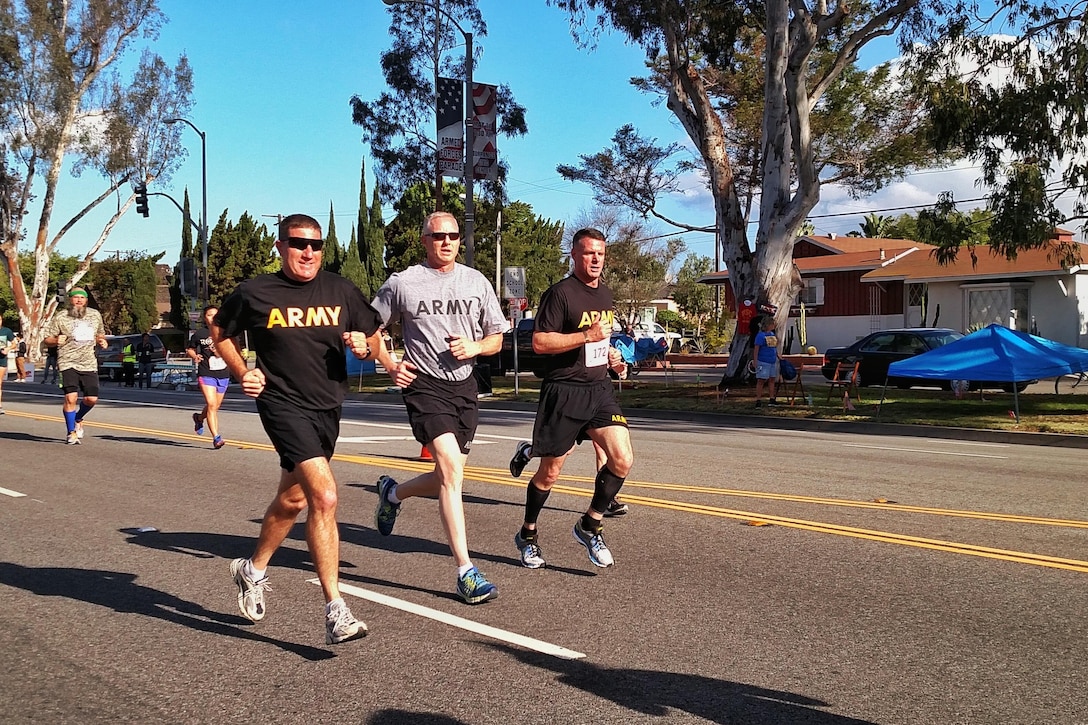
[(13, 494), (454, 621), (969, 443), (923, 450), (372, 439)]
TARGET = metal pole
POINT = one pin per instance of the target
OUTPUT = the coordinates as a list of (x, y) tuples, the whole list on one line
[(204, 210), (203, 230), (470, 154)]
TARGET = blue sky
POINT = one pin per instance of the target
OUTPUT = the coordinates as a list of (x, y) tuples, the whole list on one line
[(272, 84)]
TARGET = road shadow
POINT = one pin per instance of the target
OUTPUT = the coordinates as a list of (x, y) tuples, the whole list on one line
[(145, 440), (204, 545), (28, 438), (653, 693), (404, 717), (120, 592)]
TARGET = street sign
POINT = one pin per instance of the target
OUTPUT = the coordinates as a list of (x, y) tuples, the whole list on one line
[(517, 307), (513, 282)]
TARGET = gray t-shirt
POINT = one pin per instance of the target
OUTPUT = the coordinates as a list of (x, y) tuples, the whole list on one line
[(77, 353), (432, 306)]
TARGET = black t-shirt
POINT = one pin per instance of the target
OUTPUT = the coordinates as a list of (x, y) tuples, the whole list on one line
[(296, 329), (210, 365), (570, 306), (144, 352)]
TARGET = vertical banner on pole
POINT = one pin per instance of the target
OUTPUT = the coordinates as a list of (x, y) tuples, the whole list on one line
[(450, 106), (485, 156)]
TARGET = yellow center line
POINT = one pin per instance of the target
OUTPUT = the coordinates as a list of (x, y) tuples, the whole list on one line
[(497, 476)]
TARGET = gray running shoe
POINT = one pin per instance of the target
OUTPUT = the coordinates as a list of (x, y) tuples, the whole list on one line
[(531, 556), (250, 593), (599, 554), (342, 626), (79, 429), (73, 439), (386, 513), (616, 508), (522, 455)]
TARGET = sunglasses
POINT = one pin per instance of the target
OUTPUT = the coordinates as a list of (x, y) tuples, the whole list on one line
[(300, 243), (442, 236)]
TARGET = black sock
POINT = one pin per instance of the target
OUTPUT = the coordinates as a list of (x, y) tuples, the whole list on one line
[(534, 501), (528, 534), (605, 488), (591, 524)]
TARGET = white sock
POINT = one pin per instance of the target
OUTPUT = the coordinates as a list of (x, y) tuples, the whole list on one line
[(338, 602), (392, 497), (462, 570), (252, 573)]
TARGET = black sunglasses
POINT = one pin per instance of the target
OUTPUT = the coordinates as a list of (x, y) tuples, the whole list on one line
[(442, 236), (300, 243)]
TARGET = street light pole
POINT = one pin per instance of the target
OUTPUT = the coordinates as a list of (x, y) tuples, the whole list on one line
[(468, 167), (204, 200)]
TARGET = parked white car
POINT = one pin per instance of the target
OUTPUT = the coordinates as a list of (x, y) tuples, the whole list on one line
[(656, 332)]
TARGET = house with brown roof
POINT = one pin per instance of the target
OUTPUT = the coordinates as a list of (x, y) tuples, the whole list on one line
[(857, 285), (839, 307), (1034, 293)]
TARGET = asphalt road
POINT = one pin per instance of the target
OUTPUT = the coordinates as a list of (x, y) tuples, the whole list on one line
[(894, 579)]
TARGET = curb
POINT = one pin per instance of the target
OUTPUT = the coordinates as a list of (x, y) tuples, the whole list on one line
[(1029, 438)]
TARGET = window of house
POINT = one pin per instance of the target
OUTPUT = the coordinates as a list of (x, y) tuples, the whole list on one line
[(1002, 304), (916, 294), (812, 293)]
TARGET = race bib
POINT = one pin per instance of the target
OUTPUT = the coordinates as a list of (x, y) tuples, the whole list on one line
[(217, 363), (597, 353), (83, 332)]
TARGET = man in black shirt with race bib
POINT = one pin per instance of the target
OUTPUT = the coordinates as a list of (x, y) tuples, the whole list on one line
[(300, 320), (574, 328)]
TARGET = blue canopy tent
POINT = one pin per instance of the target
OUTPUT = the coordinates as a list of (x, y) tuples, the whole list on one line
[(998, 354)]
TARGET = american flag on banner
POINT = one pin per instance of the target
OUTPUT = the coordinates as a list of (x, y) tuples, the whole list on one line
[(485, 156), (449, 109)]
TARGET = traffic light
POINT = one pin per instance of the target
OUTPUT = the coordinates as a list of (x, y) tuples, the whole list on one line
[(141, 199), (187, 277)]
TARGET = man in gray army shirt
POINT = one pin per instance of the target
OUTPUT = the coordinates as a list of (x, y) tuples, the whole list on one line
[(449, 315)]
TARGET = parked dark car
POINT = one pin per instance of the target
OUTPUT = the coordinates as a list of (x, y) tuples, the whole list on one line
[(878, 350), (112, 353), (527, 359)]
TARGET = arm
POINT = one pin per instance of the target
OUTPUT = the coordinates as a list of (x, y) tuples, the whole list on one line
[(465, 349), (231, 352), (553, 343)]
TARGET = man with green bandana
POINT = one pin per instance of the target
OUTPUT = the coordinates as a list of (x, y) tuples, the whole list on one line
[(75, 332)]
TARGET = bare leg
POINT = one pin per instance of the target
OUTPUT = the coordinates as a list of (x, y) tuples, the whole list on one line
[(445, 482), (310, 484)]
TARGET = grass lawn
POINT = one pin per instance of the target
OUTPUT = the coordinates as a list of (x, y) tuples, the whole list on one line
[(1039, 412)]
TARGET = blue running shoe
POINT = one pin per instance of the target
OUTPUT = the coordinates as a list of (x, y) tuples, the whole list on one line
[(474, 588), (198, 424), (386, 513), (599, 554)]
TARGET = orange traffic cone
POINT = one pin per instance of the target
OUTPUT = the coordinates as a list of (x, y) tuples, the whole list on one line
[(425, 455)]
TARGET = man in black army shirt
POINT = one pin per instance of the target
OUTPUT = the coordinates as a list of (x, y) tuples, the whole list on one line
[(300, 321)]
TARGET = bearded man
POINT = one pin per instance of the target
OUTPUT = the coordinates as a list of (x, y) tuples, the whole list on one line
[(75, 332)]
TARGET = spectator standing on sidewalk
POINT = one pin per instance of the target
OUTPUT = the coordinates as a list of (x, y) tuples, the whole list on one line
[(145, 352), (6, 337)]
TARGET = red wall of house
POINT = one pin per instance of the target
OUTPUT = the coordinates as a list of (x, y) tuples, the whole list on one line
[(844, 294)]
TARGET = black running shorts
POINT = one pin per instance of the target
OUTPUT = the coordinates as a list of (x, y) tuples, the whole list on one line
[(72, 381), (440, 406), (567, 410), (297, 434)]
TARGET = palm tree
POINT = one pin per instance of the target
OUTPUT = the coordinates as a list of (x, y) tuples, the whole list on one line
[(876, 225)]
